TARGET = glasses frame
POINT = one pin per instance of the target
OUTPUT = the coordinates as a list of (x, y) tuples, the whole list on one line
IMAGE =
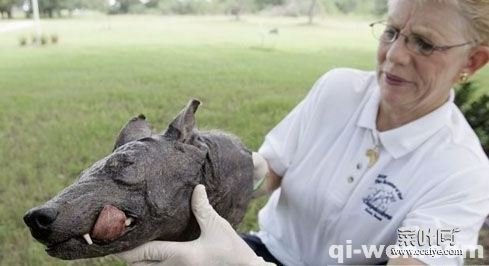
[(407, 37)]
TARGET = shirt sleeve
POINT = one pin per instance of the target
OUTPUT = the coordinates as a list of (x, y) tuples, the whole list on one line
[(282, 141), (461, 204)]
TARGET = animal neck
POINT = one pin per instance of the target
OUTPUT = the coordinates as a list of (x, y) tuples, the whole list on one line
[(209, 173)]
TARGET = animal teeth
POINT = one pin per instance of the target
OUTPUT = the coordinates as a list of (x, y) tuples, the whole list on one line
[(128, 221), (88, 239)]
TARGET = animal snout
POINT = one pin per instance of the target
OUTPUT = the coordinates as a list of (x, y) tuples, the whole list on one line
[(40, 220)]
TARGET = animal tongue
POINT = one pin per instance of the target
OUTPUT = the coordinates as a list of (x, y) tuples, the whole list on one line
[(110, 224)]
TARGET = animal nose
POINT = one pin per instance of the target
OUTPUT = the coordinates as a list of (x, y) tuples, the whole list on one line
[(40, 219)]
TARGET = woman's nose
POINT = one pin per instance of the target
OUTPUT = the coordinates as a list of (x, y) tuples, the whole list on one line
[(398, 53)]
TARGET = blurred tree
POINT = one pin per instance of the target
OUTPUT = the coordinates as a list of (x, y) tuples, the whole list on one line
[(380, 7), (90, 4), (346, 6), (126, 4), (71, 5), (475, 107), (46, 7), (357, 7), (312, 9), (262, 4), (122, 6), (195, 6), (6, 7), (49, 7), (151, 3), (309, 8), (238, 7)]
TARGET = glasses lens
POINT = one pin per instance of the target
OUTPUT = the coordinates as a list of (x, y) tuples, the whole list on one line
[(419, 45), (384, 33)]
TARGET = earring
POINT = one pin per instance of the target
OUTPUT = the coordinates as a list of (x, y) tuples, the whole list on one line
[(463, 77)]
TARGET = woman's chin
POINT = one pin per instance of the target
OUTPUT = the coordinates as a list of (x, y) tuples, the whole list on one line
[(393, 96)]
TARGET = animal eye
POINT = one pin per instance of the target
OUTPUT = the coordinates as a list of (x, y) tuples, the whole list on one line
[(119, 161), (128, 177), (121, 168)]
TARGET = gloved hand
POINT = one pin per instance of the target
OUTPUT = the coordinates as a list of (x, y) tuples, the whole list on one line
[(260, 170), (218, 243)]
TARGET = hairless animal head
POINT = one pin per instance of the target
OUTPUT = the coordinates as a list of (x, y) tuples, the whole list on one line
[(141, 191)]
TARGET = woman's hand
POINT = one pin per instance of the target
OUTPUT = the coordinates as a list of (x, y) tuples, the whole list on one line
[(218, 243)]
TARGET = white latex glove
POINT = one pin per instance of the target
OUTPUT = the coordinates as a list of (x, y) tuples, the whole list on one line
[(260, 170), (218, 243)]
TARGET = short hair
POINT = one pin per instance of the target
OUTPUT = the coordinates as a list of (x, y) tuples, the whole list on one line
[(475, 12)]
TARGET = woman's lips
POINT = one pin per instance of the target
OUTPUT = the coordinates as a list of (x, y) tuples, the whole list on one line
[(394, 80)]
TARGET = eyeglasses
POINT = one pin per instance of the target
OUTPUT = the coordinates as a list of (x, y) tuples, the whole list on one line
[(418, 44)]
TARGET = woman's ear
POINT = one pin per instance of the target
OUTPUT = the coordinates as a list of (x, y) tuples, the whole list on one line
[(479, 57)]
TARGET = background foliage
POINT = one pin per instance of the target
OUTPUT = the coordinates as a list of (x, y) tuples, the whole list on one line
[(50, 8)]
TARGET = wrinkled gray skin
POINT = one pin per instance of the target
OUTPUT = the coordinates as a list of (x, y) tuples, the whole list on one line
[(151, 178)]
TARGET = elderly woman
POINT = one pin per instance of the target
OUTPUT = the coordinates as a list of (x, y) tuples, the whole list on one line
[(368, 158)]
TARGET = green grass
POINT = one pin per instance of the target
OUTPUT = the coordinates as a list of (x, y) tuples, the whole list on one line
[(62, 105)]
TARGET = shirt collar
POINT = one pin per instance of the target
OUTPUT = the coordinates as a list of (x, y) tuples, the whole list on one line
[(404, 139)]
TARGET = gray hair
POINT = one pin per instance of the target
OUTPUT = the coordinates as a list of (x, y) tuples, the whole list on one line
[(475, 12)]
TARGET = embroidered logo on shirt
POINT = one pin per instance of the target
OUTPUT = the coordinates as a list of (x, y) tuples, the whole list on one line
[(381, 196)]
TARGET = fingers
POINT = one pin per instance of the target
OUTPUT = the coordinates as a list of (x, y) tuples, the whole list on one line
[(201, 207), (155, 251), (210, 222)]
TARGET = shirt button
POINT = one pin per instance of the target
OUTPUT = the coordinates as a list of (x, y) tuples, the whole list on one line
[(350, 179), (359, 166)]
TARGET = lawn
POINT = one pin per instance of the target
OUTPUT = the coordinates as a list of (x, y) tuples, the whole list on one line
[(62, 105)]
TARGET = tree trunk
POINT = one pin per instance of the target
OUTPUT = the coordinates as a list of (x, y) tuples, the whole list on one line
[(236, 11), (311, 11)]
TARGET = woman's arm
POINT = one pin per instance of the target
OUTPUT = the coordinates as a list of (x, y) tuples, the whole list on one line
[(272, 181), (264, 177)]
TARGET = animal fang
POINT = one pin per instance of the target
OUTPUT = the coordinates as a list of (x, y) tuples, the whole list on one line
[(88, 239)]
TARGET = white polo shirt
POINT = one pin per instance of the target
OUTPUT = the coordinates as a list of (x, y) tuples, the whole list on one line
[(431, 173)]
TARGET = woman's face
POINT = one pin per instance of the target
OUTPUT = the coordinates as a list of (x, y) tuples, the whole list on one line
[(414, 82)]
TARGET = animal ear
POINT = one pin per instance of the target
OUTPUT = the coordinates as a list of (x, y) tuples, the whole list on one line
[(136, 128), (182, 127)]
